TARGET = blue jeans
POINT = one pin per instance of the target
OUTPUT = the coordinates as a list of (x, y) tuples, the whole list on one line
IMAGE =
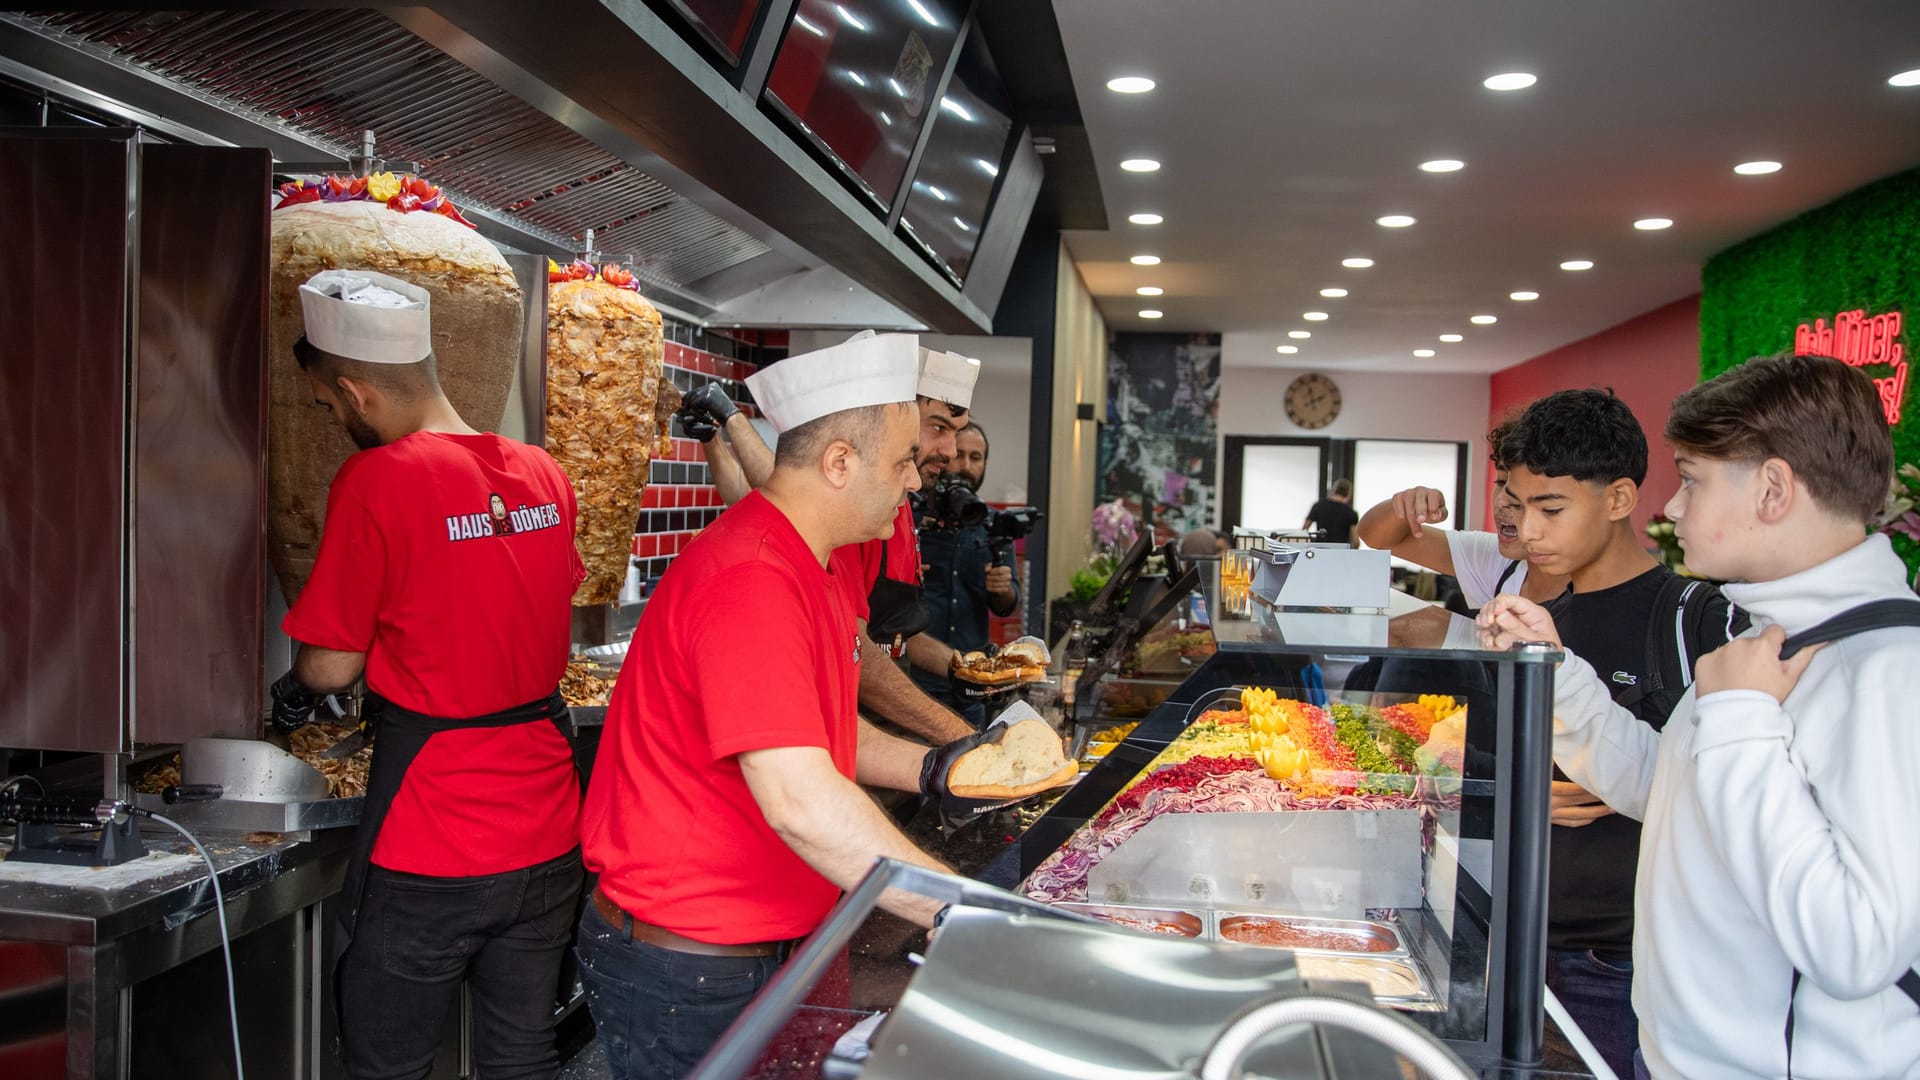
[(657, 1011), (1598, 994), (418, 937)]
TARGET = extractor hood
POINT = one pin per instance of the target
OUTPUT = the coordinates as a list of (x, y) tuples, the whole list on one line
[(541, 121)]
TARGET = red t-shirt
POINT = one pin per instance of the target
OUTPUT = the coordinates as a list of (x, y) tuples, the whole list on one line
[(746, 644), (462, 610), (857, 566)]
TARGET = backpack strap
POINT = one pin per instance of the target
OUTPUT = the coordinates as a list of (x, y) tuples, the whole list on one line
[(1505, 575), (1878, 615)]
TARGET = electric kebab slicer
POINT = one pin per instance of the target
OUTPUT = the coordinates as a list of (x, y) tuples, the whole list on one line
[(45, 830)]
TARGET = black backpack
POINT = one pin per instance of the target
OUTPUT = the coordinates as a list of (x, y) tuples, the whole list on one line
[(1673, 644), (1878, 615)]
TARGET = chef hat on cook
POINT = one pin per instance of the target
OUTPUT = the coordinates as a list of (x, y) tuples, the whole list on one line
[(361, 315), (870, 369), (948, 377)]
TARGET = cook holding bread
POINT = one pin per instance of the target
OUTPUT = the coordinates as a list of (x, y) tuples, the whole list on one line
[(724, 816)]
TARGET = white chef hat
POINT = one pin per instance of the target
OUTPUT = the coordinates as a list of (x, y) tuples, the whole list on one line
[(361, 315), (879, 369), (948, 377)]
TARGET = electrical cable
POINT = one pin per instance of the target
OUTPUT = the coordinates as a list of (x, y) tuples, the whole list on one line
[(226, 940)]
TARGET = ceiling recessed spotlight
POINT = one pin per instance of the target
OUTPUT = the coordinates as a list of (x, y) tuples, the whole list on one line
[(1906, 78), (1757, 168), (1140, 164), (1442, 165), (986, 166), (1394, 221), (1577, 264), (1150, 313), (1511, 80), (1149, 290), (1145, 219), (1314, 316), (1130, 84), (1145, 260), (1453, 338), (1356, 263), (1286, 350), (1299, 335), (1653, 224), (1523, 295), (1484, 320), (1333, 294), (962, 223), (1423, 352)]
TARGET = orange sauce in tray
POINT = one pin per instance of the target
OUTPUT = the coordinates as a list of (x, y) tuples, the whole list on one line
[(1280, 934)]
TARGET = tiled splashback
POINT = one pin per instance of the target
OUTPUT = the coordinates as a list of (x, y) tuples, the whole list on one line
[(680, 499)]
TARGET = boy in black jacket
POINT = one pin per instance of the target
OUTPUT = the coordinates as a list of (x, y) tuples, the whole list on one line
[(1577, 459)]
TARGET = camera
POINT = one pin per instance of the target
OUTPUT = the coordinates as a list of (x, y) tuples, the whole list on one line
[(953, 504), (1013, 523)]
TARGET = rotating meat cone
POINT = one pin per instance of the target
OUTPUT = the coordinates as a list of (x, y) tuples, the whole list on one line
[(476, 343), (609, 407)]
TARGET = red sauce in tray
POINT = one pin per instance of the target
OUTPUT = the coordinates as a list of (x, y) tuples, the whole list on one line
[(1282, 935)]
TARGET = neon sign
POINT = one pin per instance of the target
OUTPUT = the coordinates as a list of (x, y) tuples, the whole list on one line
[(1859, 340)]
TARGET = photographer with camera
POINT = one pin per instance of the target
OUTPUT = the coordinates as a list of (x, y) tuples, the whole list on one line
[(967, 549)]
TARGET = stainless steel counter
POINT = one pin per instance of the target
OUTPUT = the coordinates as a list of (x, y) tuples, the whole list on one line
[(124, 929)]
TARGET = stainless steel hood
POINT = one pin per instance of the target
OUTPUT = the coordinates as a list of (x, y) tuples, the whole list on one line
[(526, 115)]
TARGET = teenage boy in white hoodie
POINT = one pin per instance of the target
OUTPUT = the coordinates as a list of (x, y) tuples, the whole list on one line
[(1779, 868)]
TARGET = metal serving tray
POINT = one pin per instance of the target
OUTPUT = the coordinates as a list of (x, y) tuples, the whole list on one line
[(1208, 924)]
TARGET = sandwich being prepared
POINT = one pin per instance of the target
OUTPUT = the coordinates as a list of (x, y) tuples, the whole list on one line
[(1027, 760)]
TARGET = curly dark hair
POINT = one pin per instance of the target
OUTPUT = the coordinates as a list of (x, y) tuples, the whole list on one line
[(1586, 434)]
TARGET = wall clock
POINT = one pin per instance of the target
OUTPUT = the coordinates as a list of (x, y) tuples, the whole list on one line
[(1313, 401)]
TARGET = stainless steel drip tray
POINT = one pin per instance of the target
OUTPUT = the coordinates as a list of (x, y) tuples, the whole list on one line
[(242, 816), (1025, 997)]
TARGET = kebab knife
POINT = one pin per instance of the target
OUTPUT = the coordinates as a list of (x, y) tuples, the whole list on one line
[(354, 713)]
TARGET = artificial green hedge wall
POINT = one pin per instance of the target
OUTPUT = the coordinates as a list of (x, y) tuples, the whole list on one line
[(1860, 251)]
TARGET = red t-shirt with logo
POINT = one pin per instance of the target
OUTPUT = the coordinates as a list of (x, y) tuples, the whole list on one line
[(449, 561), (747, 643), (857, 566)]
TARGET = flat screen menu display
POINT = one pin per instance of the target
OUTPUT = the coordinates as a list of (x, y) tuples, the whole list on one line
[(725, 23), (859, 78), (965, 151)]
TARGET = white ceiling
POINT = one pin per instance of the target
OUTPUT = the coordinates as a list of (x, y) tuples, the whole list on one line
[(1285, 127)]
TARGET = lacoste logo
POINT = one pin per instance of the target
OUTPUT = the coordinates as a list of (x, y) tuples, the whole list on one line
[(1626, 679)]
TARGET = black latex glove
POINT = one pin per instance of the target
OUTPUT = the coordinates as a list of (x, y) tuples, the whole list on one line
[(696, 426), (939, 760), (293, 703), (711, 402)]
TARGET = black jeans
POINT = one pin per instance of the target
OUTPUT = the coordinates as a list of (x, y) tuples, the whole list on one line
[(657, 1011), (418, 937)]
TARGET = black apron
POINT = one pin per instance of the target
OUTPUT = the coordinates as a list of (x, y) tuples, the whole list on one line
[(401, 733), (895, 610)]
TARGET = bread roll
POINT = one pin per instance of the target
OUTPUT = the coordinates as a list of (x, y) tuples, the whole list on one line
[(605, 392), (476, 343), (1026, 761)]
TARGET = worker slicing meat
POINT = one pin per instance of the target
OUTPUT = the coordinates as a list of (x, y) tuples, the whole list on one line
[(445, 575)]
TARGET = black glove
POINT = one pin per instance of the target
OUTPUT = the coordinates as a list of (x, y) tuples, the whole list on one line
[(293, 703), (939, 760), (695, 425), (710, 402)]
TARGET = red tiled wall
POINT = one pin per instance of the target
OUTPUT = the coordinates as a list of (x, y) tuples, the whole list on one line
[(680, 498)]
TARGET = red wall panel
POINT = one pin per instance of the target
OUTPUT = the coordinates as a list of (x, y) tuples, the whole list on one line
[(1647, 360)]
